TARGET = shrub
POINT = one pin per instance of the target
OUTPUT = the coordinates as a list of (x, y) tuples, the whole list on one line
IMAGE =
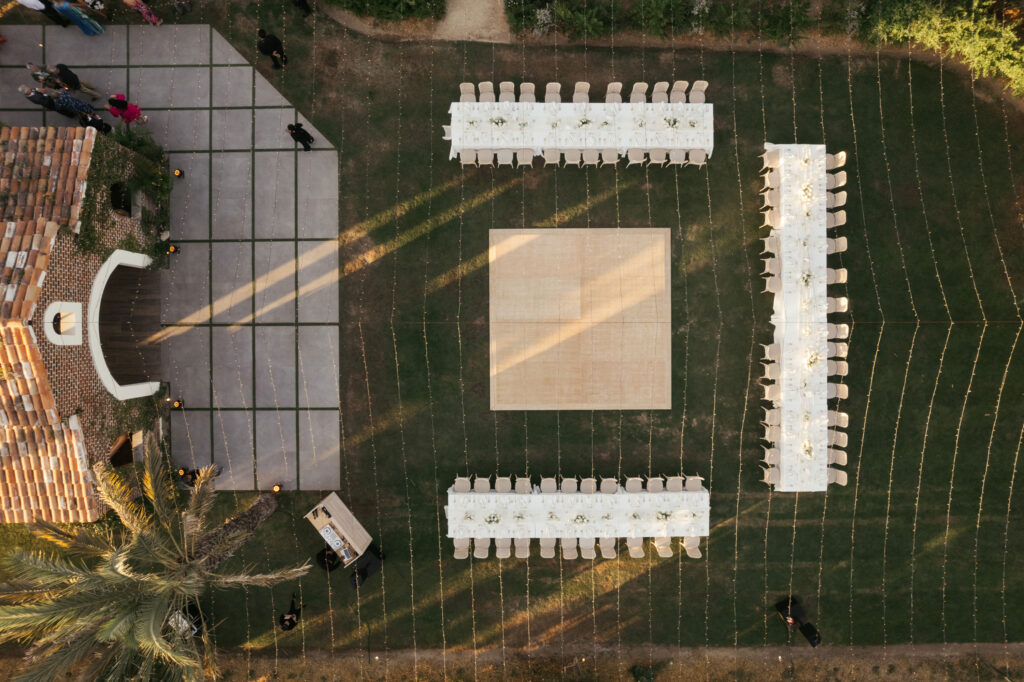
[(833, 18), (726, 18), (786, 22), (963, 29), (580, 19), (661, 17), (393, 10), (522, 14)]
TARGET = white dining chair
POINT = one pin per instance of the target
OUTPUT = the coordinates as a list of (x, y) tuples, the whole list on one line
[(771, 244), (462, 548), (772, 416), (635, 156), (835, 199), (481, 548), (506, 157), (771, 351), (613, 95), (678, 92), (462, 484), (467, 157), (835, 180), (573, 157), (486, 91), (835, 245), (548, 485), (634, 484), (838, 368), (467, 92), (552, 93), (696, 157), (772, 266), (591, 157), (770, 159), (524, 157), (523, 485), (838, 349), (569, 548), (609, 485), (570, 485), (773, 434), (588, 485), (635, 547), (663, 546), (771, 456), (772, 392), (837, 391), (607, 546), (447, 132), (581, 94), (506, 91), (638, 95), (837, 476), (838, 331), (770, 475), (522, 546), (838, 438), (771, 199), (485, 157), (698, 92), (527, 92), (691, 545), (694, 483), (657, 157), (677, 157), (482, 484), (660, 93), (833, 161), (771, 371), (837, 304), (835, 275), (771, 180), (502, 484), (837, 456), (552, 157), (835, 219), (772, 285), (674, 484), (587, 549), (838, 418), (655, 484), (547, 548), (503, 548), (609, 157), (771, 218)]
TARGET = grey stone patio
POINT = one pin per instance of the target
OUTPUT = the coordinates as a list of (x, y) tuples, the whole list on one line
[(255, 361)]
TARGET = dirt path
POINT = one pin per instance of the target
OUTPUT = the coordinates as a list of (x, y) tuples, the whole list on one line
[(800, 662), (479, 20)]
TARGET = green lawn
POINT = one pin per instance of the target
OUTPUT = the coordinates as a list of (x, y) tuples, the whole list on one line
[(914, 549)]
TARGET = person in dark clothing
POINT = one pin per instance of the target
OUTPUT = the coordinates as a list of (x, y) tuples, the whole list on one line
[(46, 7), (291, 619), (271, 45), (38, 96), (93, 120), (304, 6), (300, 135), (70, 80), (71, 106)]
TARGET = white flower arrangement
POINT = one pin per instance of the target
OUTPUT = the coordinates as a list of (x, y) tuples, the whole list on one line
[(671, 122), (498, 121), (664, 515), (580, 519), (492, 519), (583, 122)]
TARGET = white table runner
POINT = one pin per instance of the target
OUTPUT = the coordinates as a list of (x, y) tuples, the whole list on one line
[(801, 320), (594, 125), (579, 515)]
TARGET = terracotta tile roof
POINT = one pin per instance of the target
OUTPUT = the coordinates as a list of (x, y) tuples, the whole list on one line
[(44, 470)]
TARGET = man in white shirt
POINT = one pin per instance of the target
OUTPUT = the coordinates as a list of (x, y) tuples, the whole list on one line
[(46, 7)]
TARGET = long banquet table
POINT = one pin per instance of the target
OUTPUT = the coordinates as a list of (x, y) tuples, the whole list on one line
[(800, 318), (578, 515), (594, 125)]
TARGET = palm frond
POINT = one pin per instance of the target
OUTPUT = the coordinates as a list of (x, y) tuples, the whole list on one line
[(116, 494), (148, 630), (56, 660), (156, 485), (118, 625), (37, 570), (101, 662), (84, 541), (246, 578), (199, 504)]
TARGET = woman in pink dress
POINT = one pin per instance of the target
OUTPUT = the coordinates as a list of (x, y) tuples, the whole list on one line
[(120, 107), (144, 10)]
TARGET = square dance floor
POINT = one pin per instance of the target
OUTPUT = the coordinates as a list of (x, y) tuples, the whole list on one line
[(580, 319)]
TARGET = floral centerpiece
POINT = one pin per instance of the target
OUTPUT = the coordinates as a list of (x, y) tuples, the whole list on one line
[(492, 519), (498, 121)]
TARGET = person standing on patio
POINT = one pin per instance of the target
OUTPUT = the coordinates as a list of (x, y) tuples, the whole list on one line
[(143, 9), (46, 7), (120, 107), (69, 80), (290, 619), (75, 13), (43, 76), (300, 135), (271, 45), (37, 96), (71, 106)]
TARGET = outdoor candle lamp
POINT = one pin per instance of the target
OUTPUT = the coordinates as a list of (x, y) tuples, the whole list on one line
[(276, 488), (179, 173), (172, 248)]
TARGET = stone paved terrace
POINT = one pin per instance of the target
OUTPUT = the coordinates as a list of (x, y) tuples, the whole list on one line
[(250, 310)]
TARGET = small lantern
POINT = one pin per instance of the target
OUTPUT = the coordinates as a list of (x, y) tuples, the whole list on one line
[(172, 249), (178, 173), (276, 488)]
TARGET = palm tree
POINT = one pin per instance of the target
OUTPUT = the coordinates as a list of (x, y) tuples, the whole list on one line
[(109, 604)]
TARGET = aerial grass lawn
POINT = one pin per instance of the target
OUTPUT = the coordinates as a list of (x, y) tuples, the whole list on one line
[(915, 549), (923, 545)]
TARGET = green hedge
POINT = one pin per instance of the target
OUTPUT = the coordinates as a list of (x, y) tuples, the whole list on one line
[(393, 10), (966, 29)]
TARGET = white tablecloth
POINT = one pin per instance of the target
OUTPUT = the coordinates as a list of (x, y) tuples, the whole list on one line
[(595, 125), (579, 515), (801, 320)]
